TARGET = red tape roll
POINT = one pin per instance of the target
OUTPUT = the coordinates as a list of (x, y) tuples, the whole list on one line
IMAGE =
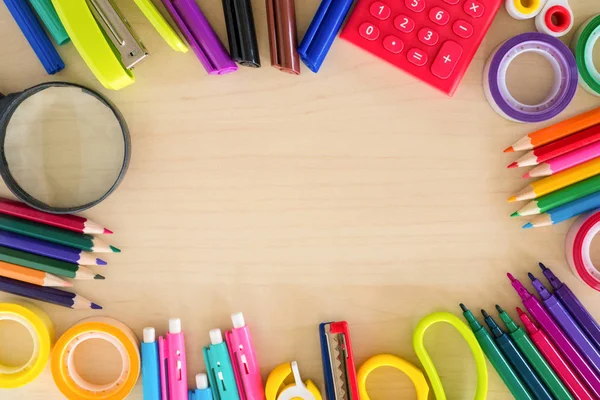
[(577, 246)]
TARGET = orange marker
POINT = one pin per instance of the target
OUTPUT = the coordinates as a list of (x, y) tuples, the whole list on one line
[(556, 131), (32, 276)]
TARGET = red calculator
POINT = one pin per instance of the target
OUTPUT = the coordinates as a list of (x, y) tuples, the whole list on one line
[(433, 40)]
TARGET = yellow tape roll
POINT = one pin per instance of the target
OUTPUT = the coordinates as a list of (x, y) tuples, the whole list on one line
[(65, 375), (42, 332)]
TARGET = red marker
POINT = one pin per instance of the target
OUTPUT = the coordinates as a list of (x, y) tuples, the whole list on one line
[(554, 358)]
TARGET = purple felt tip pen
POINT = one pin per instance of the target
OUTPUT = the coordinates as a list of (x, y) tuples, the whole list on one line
[(574, 306), (564, 319)]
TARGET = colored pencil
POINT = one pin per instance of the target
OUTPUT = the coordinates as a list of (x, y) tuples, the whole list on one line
[(46, 294), (32, 276), (565, 161), (555, 149), (566, 211), (560, 197), (556, 131), (46, 264), (558, 181), (43, 248), (64, 221), (54, 235)]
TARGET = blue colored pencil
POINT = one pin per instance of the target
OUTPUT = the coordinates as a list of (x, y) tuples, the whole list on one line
[(566, 211), (47, 249)]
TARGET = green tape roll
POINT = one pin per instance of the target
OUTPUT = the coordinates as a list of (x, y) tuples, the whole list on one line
[(582, 46)]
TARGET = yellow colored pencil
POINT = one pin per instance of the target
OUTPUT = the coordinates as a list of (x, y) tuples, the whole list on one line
[(558, 181), (32, 276)]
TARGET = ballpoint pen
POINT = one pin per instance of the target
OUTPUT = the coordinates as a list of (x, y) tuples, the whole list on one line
[(497, 359), (243, 358), (150, 366), (517, 360), (556, 334), (173, 363), (219, 368), (532, 354), (555, 359), (574, 306)]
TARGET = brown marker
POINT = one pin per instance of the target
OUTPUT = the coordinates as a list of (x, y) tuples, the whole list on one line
[(283, 38)]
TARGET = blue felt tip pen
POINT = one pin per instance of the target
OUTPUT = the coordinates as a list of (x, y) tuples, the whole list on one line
[(514, 356), (202, 391), (219, 368), (150, 365)]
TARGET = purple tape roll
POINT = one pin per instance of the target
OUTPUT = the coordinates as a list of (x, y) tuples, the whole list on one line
[(565, 77)]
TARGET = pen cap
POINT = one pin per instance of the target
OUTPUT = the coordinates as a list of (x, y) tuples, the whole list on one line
[(322, 32), (237, 320), (216, 337), (241, 33), (283, 37), (149, 335), (201, 381), (174, 325)]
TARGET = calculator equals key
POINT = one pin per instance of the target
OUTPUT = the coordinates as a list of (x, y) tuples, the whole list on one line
[(433, 40)]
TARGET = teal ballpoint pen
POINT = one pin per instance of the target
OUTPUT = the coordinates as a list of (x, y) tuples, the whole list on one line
[(219, 368)]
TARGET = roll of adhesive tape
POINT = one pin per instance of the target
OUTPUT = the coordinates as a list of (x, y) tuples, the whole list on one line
[(561, 93), (42, 333), (524, 9), (582, 45), (65, 375), (555, 19), (579, 240)]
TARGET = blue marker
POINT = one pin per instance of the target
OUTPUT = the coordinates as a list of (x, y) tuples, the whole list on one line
[(150, 368), (202, 391)]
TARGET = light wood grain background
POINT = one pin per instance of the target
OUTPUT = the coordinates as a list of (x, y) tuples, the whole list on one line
[(357, 193)]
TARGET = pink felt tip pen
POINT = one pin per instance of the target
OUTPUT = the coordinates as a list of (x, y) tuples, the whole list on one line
[(173, 373), (243, 357)]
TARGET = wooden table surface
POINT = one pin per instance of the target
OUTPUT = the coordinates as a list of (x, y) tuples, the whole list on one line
[(355, 194)]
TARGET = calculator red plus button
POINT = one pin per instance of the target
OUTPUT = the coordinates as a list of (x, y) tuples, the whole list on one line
[(415, 5), (473, 8), (368, 31), (380, 10), (404, 23), (417, 57), (446, 59), (439, 16), (393, 44), (462, 29), (428, 37)]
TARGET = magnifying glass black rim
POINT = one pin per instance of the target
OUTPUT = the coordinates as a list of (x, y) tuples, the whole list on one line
[(14, 100)]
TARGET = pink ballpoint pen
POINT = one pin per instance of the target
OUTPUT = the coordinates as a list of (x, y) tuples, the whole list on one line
[(173, 371), (560, 339), (243, 357)]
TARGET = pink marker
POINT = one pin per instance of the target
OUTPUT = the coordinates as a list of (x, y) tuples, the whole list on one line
[(173, 372), (243, 357), (566, 161)]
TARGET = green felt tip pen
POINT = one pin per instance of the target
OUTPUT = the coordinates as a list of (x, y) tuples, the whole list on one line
[(532, 354), (496, 358)]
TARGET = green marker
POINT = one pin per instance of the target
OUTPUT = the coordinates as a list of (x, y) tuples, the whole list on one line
[(495, 356), (532, 354)]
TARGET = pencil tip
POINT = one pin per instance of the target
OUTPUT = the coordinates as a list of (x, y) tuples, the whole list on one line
[(98, 276), (99, 261), (530, 275), (515, 214), (107, 232), (115, 250), (542, 266), (526, 176), (528, 225), (512, 199), (95, 306), (513, 165), (520, 311), (499, 309), (463, 307), (509, 149)]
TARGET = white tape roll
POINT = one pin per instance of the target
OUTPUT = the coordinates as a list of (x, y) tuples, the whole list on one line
[(524, 9), (555, 19)]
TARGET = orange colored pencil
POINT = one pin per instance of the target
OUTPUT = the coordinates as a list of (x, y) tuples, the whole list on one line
[(32, 276), (556, 131)]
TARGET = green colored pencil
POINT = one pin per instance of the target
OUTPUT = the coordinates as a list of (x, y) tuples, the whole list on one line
[(46, 264), (560, 197), (79, 241)]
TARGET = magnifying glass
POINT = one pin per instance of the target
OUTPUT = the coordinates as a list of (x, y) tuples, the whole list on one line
[(63, 147)]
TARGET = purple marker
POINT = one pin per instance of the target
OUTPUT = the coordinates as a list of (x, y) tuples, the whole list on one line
[(573, 331), (574, 306)]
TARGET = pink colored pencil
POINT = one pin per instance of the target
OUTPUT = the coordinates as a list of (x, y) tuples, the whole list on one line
[(565, 161)]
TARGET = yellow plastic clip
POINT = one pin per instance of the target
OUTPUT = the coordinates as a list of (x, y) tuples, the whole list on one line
[(389, 360), (161, 25), (467, 334), (276, 389)]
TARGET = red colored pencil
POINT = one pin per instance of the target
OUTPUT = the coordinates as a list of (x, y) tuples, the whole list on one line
[(559, 147), (64, 221)]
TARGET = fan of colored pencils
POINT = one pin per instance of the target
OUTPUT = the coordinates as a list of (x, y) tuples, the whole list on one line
[(39, 251), (566, 156)]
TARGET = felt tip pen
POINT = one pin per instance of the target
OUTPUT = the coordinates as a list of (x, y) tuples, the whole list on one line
[(150, 369), (220, 371), (555, 359), (514, 356), (574, 306), (202, 391), (533, 356), (173, 363), (558, 337), (243, 358), (497, 359), (564, 319)]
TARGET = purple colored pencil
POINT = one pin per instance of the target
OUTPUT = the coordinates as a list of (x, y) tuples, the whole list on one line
[(58, 297), (47, 249), (574, 306)]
